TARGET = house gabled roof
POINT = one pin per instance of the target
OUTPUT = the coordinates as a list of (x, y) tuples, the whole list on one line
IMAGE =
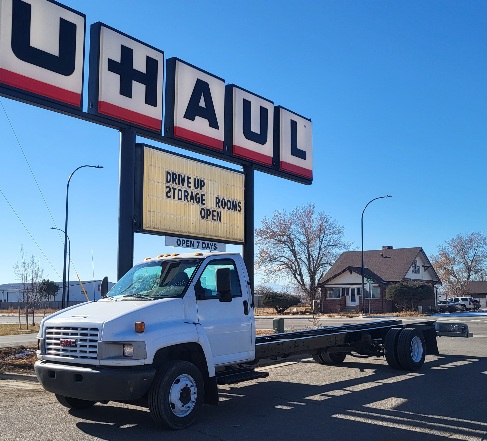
[(477, 287), (388, 264), (368, 274)]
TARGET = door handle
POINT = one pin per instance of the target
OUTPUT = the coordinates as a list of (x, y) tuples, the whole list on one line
[(246, 307)]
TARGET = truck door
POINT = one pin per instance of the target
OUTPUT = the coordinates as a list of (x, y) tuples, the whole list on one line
[(228, 325)]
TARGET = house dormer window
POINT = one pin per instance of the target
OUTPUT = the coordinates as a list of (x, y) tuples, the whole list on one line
[(415, 268)]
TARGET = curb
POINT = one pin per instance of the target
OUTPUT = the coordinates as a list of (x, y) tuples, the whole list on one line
[(18, 377)]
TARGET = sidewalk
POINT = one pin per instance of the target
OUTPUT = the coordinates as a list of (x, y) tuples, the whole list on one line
[(8, 341)]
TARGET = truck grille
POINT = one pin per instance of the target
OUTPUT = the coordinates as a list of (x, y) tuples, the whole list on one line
[(72, 342)]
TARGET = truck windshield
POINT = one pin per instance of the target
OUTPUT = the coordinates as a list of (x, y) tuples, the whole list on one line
[(155, 280)]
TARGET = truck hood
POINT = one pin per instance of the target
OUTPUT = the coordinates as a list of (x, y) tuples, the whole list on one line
[(96, 314)]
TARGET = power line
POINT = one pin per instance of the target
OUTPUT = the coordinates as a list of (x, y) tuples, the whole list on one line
[(29, 233), (28, 163)]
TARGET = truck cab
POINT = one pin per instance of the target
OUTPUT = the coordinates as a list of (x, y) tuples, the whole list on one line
[(195, 309)]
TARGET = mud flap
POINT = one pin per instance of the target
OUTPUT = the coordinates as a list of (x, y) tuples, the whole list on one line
[(429, 335)]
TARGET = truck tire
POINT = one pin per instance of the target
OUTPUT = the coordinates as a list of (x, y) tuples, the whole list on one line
[(411, 349), (329, 358), (390, 347), (176, 395), (74, 403)]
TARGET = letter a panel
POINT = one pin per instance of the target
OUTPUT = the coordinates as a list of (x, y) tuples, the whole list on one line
[(42, 51), (126, 78), (195, 102)]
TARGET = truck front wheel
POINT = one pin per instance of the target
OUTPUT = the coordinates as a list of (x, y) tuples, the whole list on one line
[(176, 394), (74, 403)]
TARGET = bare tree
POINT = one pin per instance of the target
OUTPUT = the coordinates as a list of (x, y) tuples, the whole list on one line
[(29, 273), (299, 247), (461, 260)]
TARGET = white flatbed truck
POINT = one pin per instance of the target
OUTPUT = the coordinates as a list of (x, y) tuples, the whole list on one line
[(175, 327)]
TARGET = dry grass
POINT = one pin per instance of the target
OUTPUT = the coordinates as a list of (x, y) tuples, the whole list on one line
[(17, 360), (16, 329)]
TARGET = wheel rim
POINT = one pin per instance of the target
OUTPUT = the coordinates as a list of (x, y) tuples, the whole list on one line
[(183, 395), (416, 349)]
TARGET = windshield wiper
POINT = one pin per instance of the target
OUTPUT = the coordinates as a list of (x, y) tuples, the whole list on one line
[(136, 296)]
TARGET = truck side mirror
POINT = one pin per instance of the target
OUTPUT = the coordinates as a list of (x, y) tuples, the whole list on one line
[(104, 287), (223, 285)]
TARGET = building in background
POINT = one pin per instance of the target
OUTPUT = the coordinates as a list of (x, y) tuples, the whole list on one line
[(341, 286), (11, 294)]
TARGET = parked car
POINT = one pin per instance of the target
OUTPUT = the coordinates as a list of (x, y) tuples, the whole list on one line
[(447, 306), (476, 303), (467, 302)]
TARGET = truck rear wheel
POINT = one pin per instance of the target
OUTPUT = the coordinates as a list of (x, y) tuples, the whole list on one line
[(176, 395), (390, 346), (74, 403), (329, 358), (411, 349)]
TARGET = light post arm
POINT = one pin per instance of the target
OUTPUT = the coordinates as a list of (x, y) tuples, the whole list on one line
[(63, 301), (362, 235)]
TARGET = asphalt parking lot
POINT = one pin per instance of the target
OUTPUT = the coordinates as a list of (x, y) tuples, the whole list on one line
[(362, 400)]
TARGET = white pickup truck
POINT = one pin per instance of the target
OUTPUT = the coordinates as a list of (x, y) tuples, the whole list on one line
[(176, 326)]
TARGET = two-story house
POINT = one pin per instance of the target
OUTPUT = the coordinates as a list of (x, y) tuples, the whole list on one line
[(341, 286)]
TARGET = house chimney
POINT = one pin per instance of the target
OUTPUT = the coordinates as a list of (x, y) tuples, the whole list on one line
[(387, 247)]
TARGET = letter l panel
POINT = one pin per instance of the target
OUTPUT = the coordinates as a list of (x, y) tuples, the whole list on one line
[(126, 78), (294, 143), (42, 50)]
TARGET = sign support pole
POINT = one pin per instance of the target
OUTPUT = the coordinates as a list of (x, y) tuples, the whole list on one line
[(126, 202), (248, 247)]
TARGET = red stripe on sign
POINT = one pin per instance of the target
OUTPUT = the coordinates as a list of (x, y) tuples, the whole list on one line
[(251, 154), (198, 138), (296, 170), (38, 87), (129, 116)]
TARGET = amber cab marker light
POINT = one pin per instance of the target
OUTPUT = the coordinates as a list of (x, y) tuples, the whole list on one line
[(139, 327)]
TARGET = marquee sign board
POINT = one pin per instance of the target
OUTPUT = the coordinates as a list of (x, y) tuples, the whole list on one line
[(183, 197), (42, 50), (249, 125), (125, 78), (41, 61)]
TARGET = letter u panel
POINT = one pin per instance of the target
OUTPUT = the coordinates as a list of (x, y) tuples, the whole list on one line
[(42, 50), (249, 125)]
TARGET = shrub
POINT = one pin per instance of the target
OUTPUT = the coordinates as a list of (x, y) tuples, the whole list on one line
[(279, 301), (407, 295)]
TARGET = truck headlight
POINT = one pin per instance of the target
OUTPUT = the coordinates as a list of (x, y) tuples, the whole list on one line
[(112, 350), (128, 350)]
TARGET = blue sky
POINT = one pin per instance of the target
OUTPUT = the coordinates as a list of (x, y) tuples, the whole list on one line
[(397, 92)]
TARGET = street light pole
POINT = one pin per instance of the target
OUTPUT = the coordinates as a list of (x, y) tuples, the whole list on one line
[(63, 300), (69, 258), (362, 232)]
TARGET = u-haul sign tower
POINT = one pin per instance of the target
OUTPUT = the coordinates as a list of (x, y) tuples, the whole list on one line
[(42, 54)]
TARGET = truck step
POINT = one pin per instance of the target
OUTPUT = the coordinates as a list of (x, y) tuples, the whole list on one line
[(233, 376)]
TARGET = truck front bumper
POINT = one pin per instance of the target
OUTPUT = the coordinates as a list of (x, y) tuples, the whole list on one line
[(95, 384)]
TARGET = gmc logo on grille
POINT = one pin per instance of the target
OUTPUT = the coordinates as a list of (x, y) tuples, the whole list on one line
[(68, 342)]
